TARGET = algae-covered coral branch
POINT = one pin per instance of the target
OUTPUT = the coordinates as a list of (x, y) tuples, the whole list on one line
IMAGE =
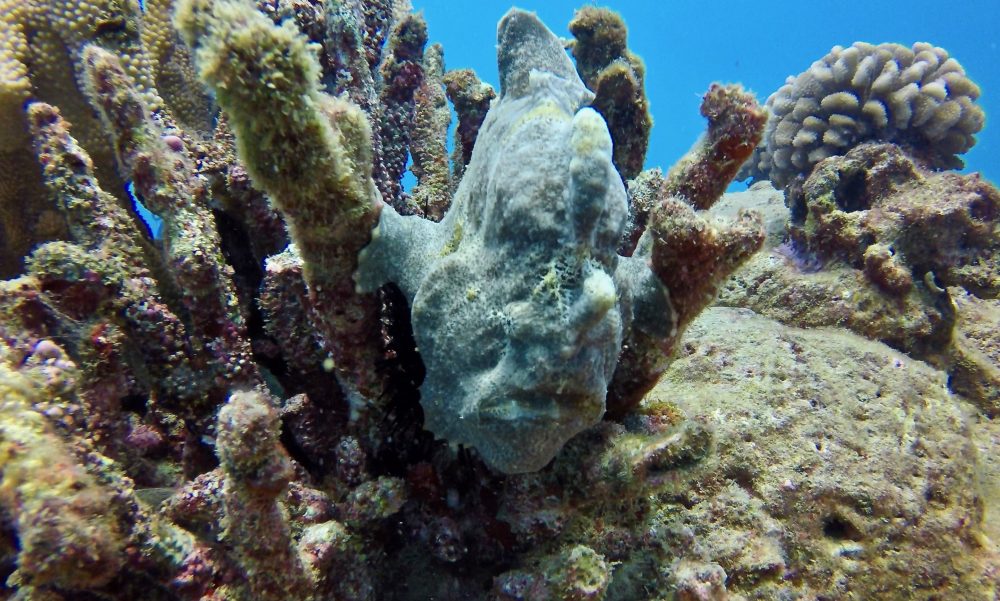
[(309, 151), (257, 471), (690, 254), (735, 127), (617, 77), (67, 537)]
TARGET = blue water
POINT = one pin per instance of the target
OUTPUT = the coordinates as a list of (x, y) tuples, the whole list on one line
[(686, 47)]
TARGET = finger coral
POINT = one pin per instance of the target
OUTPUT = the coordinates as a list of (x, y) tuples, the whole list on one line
[(471, 99), (429, 142), (617, 77), (919, 97)]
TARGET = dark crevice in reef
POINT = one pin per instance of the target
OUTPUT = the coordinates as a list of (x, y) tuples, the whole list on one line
[(248, 276), (852, 191), (839, 529), (248, 272), (320, 386), (406, 442), (135, 403)]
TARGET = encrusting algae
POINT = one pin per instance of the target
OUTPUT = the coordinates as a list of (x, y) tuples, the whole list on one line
[(508, 383)]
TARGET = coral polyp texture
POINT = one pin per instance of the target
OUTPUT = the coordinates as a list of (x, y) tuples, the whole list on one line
[(507, 382), (919, 97)]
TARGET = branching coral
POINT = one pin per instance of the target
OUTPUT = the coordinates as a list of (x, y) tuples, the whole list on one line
[(383, 80), (313, 158), (919, 97), (401, 76), (735, 126), (690, 254), (51, 69), (107, 261), (617, 78), (174, 73), (164, 176)]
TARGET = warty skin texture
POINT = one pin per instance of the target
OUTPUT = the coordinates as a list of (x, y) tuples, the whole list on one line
[(514, 302)]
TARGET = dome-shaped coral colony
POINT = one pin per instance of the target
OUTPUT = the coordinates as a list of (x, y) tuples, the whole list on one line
[(916, 96)]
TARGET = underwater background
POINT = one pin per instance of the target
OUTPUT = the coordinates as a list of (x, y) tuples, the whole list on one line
[(686, 46), (369, 354)]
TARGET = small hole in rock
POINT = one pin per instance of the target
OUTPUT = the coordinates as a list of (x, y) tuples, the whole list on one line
[(839, 529), (852, 191)]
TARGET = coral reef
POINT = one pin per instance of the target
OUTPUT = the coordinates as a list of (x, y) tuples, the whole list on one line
[(807, 290), (876, 210), (819, 490), (313, 384), (891, 251), (43, 60), (918, 97)]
